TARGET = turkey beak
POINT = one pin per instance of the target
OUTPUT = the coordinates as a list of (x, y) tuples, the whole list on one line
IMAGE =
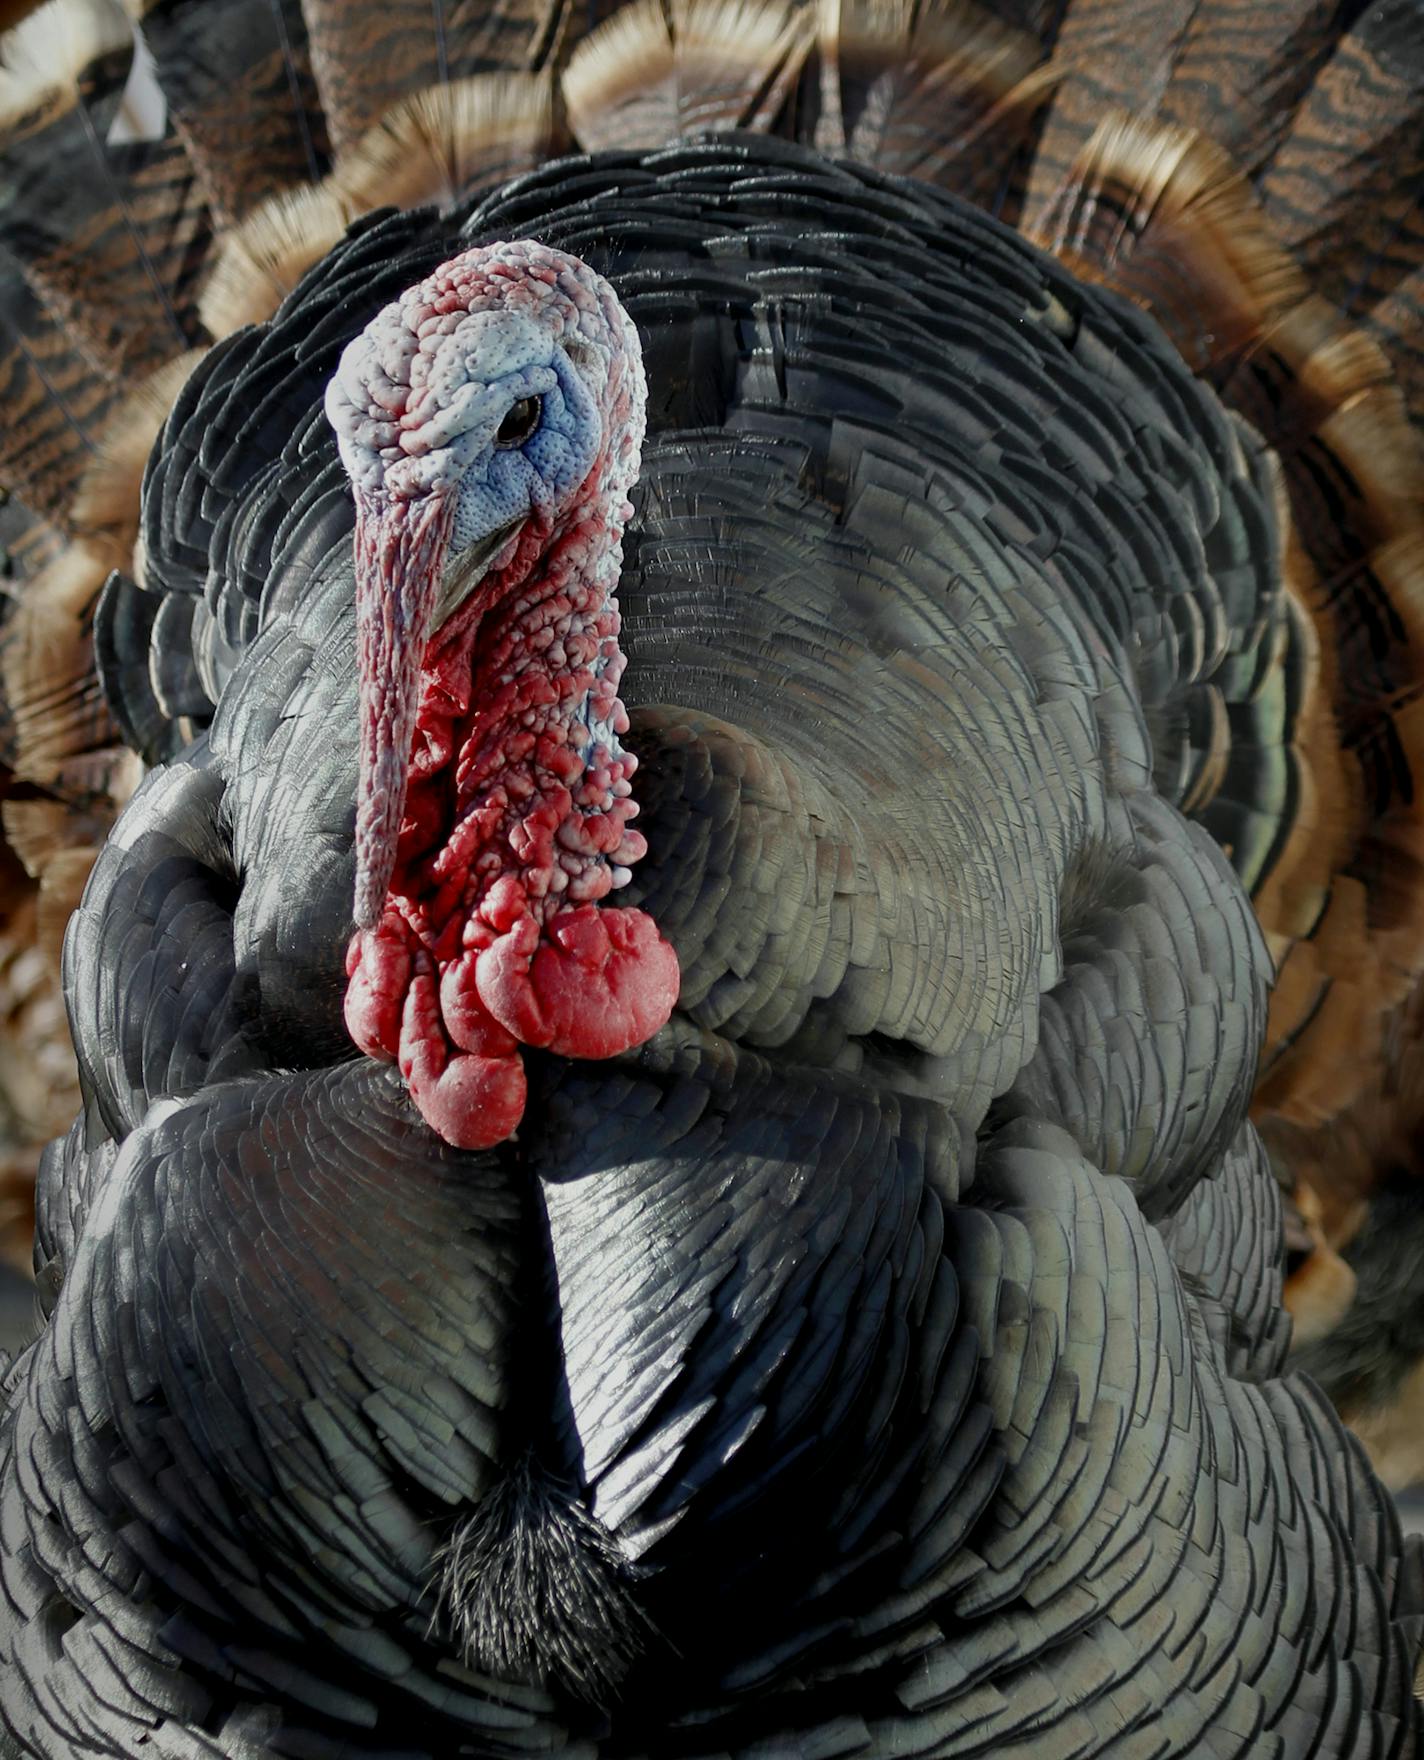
[(465, 572), (400, 546)]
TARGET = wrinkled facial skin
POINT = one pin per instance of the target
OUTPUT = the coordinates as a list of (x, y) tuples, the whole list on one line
[(490, 421), (439, 409)]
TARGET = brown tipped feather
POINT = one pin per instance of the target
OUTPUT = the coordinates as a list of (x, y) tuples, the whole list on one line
[(1113, 57), (620, 85), (1263, 81), (450, 141), (1326, 817), (1320, 1286), (1163, 216), (63, 876), (1356, 477), (28, 543), (1397, 324), (943, 92), (56, 844), (54, 400), (39, 1085), (1241, 68), (1393, 1435), (18, 1169), (745, 86), (1359, 1193), (369, 57), (59, 719), (441, 144), (643, 78), (1343, 189)]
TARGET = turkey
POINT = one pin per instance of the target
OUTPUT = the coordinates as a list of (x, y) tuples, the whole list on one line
[(730, 745)]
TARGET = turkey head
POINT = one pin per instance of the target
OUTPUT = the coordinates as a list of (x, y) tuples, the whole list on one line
[(490, 421)]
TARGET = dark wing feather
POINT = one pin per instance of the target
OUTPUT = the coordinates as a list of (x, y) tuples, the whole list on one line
[(379, 1409)]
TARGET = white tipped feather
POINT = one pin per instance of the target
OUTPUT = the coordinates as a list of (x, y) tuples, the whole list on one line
[(261, 260), (628, 58), (105, 505), (643, 77), (448, 141), (43, 56)]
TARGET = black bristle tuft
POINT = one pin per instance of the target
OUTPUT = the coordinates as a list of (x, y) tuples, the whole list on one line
[(533, 1587)]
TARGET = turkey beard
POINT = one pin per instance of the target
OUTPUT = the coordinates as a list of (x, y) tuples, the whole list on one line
[(493, 817)]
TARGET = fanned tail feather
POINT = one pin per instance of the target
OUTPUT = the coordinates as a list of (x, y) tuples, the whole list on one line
[(1397, 325), (260, 261), (39, 1085), (370, 57), (237, 80), (941, 92), (110, 234), (1164, 216), (1234, 71), (647, 76), (450, 142), (1343, 190), (1300, 300), (57, 714), (446, 142), (53, 399)]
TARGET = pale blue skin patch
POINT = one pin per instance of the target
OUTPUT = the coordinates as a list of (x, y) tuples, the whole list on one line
[(460, 383), (504, 483)]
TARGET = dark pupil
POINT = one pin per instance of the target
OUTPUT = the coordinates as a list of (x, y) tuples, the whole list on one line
[(520, 423)]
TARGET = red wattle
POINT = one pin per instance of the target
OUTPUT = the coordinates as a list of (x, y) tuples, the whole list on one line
[(378, 968), (475, 1102), (468, 1021), (595, 983)]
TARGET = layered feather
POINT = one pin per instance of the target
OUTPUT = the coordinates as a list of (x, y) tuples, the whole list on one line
[(1250, 177)]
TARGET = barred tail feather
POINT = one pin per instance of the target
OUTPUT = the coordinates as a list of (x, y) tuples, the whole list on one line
[(647, 76), (240, 96), (370, 57)]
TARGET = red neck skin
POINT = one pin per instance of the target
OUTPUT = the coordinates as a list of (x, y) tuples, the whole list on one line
[(516, 824)]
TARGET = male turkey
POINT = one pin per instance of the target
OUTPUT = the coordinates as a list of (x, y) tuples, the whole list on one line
[(467, 1333)]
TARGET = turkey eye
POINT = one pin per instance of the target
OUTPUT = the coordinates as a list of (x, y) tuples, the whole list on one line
[(520, 423)]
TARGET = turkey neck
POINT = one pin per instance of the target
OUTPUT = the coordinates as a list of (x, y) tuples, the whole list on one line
[(519, 796), (516, 824)]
